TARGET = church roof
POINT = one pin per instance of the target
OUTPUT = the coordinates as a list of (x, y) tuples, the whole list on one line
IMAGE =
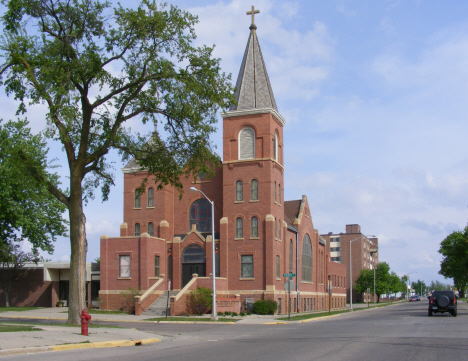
[(291, 211), (253, 88)]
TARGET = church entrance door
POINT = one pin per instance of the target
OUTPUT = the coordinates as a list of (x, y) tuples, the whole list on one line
[(193, 261)]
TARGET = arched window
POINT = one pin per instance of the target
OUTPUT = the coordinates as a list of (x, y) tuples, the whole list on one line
[(193, 253), (254, 227), (137, 198), (200, 214), (150, 197), (307, 259), (239, 190), (254, 190), (275, 147), (247, 143), (151, 229), (137, 229), (290, 255), (239, 228)]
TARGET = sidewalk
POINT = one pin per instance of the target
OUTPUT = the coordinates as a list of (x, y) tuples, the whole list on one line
[(57, 338)]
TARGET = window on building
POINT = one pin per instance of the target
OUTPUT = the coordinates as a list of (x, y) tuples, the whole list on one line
[(276, 234), (239, 195), (279, 193), (137, 198), (150, 197), (279, 230), (277, 266), (137, 229), (307, 259), (124, 266), (151, 229), (239, 228), (275, 147), (275, 192), (218, 266), (156, 266), (254, 190), (200, 214), (290, 256), (254, 227), (247, 143), (247, 266)]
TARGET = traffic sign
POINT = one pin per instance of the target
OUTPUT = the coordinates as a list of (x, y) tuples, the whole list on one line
[(289, 275), (288, 286)]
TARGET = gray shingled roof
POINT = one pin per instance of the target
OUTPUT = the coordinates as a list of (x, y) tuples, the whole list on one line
[(253, 85), (291, 210)]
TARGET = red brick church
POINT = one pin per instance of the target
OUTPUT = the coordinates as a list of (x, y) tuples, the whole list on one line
[(259, 236)]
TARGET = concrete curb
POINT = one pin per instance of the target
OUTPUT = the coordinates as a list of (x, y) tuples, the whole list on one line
[(76, 346)]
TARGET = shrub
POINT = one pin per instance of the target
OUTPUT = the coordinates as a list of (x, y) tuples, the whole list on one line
[(233, 314), (129, 300), (249, 313), (265, 307), (220, 313), (242, 314), (227, 313), (200, 300)]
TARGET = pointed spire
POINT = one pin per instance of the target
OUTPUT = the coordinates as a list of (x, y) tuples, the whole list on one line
[(253, 88)]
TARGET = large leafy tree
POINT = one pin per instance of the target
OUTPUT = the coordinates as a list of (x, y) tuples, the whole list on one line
[(382, 279), (27, 209), (419, 287), (97, 69), (454, 250), (395, 284), (365, 281)]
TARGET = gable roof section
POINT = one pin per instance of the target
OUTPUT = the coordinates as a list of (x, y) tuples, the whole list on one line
[(291, 211), (253, 88)]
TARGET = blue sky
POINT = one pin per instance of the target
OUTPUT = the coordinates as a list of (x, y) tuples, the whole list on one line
[(374, 97)]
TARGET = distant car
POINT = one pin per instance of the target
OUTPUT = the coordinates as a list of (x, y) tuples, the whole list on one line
[(413, 299), (443, 301)]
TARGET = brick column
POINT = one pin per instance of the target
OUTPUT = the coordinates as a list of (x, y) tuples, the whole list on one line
[(269, 252), (176, 264), (223, 248)]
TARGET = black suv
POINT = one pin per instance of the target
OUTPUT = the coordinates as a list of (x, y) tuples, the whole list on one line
[(443, 301)]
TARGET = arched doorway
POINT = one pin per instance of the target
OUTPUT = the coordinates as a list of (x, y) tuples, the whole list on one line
[(193, 261)]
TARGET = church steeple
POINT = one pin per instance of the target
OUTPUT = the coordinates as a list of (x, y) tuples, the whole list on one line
[(253, 85)]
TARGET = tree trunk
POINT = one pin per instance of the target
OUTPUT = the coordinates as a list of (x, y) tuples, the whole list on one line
[(79, 248)]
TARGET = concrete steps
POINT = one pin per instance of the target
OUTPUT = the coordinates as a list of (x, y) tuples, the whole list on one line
[(158, 307)]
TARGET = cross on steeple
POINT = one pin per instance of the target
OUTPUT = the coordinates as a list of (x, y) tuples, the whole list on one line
[(253, 12)]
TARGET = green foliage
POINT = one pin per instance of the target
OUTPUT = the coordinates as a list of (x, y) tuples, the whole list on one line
[(201, 300), (242, 314), (220, 313), (234, 314), (396, 284), (227, 313), (454, 250), (27, 210), (249, 313), (129, 300), (365, 281), (265, 307), (419, 287)]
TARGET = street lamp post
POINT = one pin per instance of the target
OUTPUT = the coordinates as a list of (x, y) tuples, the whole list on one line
[(214, 315), (351, 270)]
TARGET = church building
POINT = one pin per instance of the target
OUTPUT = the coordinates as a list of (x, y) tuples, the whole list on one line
[(166, 242)]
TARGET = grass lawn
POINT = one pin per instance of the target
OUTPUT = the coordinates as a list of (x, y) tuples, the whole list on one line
[(5, 309), (15, 328), (311, 315), (191, 319)]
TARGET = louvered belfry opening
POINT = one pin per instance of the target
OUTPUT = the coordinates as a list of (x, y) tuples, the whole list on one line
[(247, 144)]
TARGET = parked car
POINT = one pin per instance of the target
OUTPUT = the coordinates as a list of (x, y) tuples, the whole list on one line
[(413, 299), (443, 301)]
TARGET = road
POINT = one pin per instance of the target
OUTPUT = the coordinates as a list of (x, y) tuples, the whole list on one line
[(399, 332)]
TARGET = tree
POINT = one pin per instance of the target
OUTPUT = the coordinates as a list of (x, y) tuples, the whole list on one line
[(395, 283), (27, 210), (96, 70), (12, 258), (382, 279), (454, 265), (419, 287), (365, 281)]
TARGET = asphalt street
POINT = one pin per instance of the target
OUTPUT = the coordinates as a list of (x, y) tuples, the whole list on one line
[(398, 332)]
